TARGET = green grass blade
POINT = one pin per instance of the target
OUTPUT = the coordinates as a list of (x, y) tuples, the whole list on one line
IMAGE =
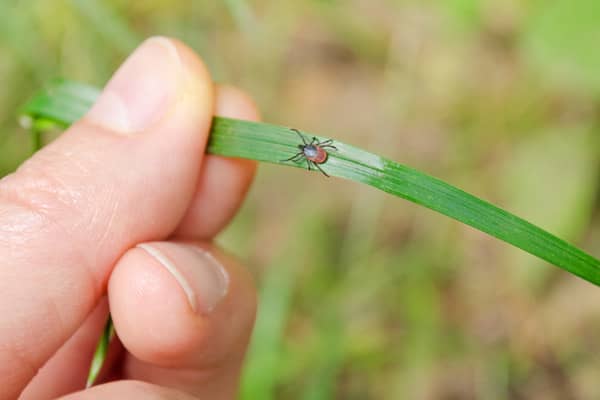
[(100, 353), (65, 102)]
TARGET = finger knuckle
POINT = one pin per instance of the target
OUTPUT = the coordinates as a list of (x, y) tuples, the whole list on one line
[(43, 195)]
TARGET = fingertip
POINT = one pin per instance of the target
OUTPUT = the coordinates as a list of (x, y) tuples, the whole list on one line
[(150, 310), (161, 79), (181, 305), (235, 103), (199, 71), (130, 389), (223, 181)]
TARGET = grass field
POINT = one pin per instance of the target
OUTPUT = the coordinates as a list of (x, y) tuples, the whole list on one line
[(364, 296)]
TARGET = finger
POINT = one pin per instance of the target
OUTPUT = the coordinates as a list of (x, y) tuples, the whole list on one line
[(66, 371), (185, 312), (123, 174), (130, 390), (223, 181)]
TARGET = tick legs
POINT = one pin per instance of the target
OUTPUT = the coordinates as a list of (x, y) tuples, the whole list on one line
[(299, 134), (321, 169), (295, 157), (312, 163), (309, 164), (327, 144)]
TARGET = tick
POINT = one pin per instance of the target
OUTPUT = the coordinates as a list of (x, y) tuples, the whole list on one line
[(314, 153)]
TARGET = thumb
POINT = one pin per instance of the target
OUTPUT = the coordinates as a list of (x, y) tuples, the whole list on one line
[(124, 174)]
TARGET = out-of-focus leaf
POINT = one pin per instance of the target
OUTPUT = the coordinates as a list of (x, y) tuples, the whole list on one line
[(553, 179), (561, 40), (108, 23)]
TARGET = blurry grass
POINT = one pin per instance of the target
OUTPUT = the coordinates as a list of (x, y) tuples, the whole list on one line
[(483, 97), (108, 23), (243, 16), (265, 356), (18, 32), (562, 40)]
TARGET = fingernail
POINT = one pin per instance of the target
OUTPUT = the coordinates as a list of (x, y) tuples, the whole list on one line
[(141, 90), (201, 276)]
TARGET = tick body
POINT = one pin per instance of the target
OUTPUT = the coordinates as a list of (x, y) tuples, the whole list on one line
[(314, 153)]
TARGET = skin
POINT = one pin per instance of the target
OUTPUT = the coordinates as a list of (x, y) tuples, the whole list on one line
[(71, 220)]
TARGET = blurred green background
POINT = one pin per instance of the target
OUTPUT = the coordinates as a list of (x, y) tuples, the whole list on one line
[(364, 295)]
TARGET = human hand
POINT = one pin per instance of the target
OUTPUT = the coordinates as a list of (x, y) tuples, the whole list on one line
[(127, 202)]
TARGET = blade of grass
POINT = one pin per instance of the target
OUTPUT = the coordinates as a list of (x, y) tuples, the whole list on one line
[(65, 102), (101, 352)]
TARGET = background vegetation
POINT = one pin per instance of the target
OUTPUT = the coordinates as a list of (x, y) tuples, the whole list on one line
[(364, 295)]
